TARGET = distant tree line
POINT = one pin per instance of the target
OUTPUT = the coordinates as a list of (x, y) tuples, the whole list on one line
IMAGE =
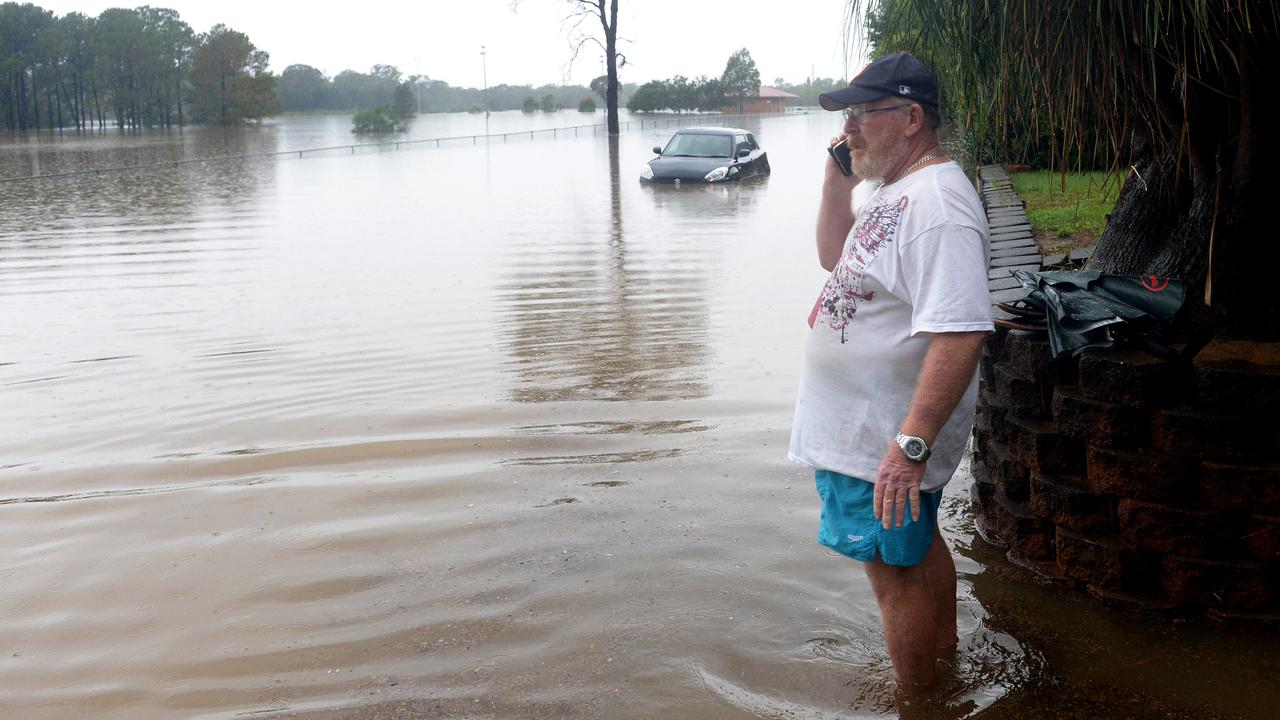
[(808, 91), (133, 68), (303, 88), (739, 81), (679, 94), (146, 67)]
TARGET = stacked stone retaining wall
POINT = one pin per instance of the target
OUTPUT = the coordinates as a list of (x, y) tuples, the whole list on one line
[(1153, 485)]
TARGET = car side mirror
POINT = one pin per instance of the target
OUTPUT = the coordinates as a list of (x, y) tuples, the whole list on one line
[(657, 150), (745, 152)]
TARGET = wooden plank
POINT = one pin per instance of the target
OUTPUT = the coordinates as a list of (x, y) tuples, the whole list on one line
[(1000, 272), (1016, 260), (1008, 294)]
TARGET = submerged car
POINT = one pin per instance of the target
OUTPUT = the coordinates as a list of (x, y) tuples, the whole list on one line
[(707, 155)]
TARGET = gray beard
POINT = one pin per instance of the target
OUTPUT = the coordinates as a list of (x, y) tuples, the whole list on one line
[(876, 167)]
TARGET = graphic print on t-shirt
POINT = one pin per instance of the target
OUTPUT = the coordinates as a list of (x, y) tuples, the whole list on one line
[(838, 301)]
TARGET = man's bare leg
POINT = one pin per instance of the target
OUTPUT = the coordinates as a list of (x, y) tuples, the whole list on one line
[(918, 612), (940, 570), (907, 612)]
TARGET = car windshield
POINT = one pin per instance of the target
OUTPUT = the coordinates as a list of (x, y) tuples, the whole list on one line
[(695, 145)]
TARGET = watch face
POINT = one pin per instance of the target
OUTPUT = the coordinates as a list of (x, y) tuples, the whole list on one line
[(914, 448)]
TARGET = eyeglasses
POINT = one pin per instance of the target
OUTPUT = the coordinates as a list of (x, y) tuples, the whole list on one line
[(859, 115)]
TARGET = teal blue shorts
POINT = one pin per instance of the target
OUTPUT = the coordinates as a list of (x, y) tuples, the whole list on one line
[(849, 525)]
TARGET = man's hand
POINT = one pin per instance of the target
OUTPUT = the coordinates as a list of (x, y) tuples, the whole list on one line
[(897, 482), (833, 177), (835, 211)]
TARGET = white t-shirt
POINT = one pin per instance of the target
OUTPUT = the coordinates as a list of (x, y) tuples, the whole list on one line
[(914, 263)]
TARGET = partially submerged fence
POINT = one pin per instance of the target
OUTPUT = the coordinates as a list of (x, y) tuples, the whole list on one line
[(394, 145)]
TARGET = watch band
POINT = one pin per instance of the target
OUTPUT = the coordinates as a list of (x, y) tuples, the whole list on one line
[(914, 448)]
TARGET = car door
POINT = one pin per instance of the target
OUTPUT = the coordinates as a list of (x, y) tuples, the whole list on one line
[(759, 158), (746, 165)]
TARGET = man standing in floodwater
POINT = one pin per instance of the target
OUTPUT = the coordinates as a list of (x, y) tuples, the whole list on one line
[(889, 380)]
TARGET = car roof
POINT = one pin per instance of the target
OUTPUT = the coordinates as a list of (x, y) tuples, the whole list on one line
[(713, 131)]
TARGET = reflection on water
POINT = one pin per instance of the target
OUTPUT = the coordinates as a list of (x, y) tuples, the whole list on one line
[(606, 318), (340, 436)]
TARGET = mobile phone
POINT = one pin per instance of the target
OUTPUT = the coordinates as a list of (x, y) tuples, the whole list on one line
[(840, 153)]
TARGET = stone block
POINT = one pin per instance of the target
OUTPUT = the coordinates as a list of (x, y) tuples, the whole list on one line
[(1011, 477), (1216, 583), (1238, 377), (1038, 445), (993, 350), (1261, 539), (986, 380), (1096, 422), (981, 494), (1028, 352), (1125, 377), (1233, 439), (1143, 474), (1064, 501), (1171, 530), (1007, 524), (1251, 487), (986, 388), (1018, 394), (1099, 561), (1028, 355), (989, 426)]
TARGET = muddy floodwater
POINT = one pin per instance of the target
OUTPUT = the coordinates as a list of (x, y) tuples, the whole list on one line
[(483, 430)]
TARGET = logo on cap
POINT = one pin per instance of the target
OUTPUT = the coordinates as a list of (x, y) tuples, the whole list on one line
[(904, 89)]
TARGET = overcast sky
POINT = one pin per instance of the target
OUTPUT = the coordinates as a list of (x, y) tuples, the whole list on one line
[(529, 46)]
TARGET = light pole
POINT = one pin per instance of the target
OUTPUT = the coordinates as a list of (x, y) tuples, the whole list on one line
[(485, 74)]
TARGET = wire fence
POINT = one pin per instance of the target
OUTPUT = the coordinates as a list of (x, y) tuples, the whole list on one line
[(393, 145)]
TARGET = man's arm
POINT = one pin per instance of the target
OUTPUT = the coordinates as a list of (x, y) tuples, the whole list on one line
[(835, 213), (948, 369)]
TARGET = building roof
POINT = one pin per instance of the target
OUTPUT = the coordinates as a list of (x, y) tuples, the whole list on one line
[(773, 92)]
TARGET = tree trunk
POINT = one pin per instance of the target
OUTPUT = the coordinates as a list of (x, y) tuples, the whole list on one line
[(35, 102), (59, 92), (24, 120), (611, 60), (1200, 212)]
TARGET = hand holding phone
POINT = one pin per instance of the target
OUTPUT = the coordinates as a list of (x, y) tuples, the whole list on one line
[(840, 153)]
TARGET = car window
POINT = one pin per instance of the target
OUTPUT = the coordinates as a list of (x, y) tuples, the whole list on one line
[(740, 143), (697, 145), (751, 139)]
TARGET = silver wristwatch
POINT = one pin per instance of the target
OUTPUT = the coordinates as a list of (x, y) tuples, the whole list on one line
[(916, 449)]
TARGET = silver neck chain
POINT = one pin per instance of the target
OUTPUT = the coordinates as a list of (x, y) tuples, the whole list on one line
[(917, 164), (920, 162)]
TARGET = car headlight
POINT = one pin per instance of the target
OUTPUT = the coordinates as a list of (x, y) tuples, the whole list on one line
[(719, 173), (646, 173)]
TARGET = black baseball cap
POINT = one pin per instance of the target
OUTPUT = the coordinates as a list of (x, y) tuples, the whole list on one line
[(900, 74)]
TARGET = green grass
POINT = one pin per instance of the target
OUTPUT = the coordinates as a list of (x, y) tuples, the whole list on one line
[(1081, 209)]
